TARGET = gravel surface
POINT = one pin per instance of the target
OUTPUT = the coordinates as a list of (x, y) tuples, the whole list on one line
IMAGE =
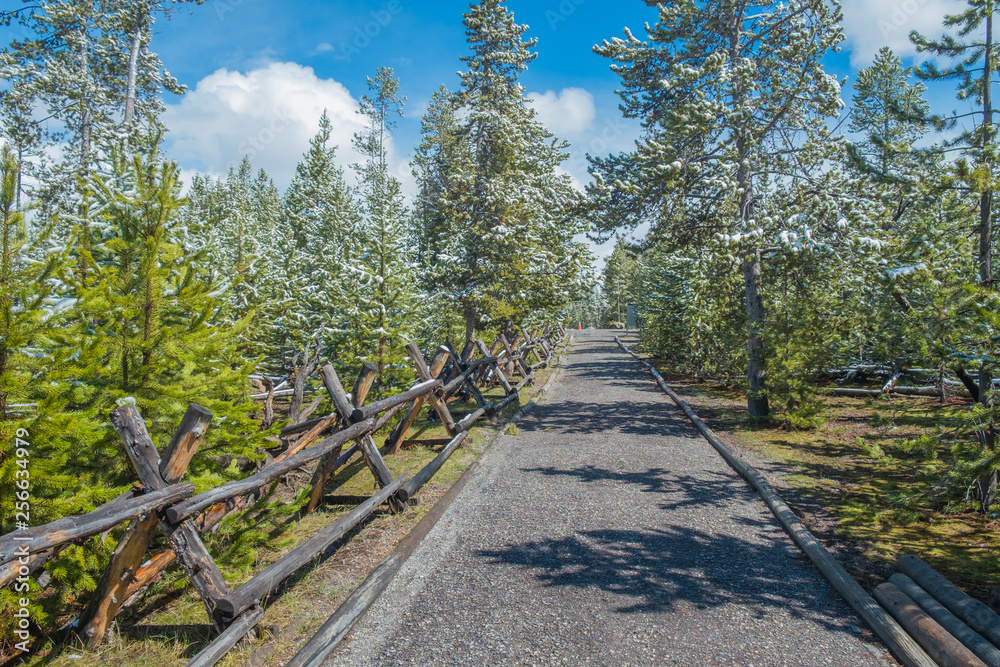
[(607, 532)]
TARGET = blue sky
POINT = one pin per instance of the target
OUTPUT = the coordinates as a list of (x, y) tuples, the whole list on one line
[(260, 72)]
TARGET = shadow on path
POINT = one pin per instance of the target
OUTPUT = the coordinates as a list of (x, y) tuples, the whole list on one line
[(711, 489), (629, 417), (665, 570)]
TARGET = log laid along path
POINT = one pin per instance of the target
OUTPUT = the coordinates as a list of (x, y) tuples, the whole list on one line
[(607, 532)]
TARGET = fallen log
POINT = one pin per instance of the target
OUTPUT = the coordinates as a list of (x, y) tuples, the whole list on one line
[(856, 393), (239, 600), (976, 614), (917, 391), (939, 644), (72, 528), (875, 393), (972, 640)]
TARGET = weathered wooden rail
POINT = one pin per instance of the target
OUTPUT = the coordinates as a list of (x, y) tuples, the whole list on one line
[(161, 502)]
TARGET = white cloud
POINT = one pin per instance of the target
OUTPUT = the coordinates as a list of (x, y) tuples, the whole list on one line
[(872, 24), (268, 113), (566, 113)]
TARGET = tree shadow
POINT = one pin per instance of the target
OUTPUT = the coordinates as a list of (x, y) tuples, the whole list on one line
[(711, 489), (630, 417), (662, 570)]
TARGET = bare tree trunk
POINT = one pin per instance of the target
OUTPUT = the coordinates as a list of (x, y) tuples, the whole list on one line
[(987, 486), (757, 403), (470, 323), (986, 198), (131, 92), (86, 119)]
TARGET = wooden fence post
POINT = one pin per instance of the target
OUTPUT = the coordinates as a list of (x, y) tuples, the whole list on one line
[(460, 366), (494, 368), (514, 356), (424, 373), (130, 553), (395, 439), (365, 443), (184, 538), (328, 464)]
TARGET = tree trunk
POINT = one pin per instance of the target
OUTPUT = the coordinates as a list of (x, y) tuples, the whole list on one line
[(986, 198), (757, 403), (987, 485), (131, 91), (470, 323), (86, 119)]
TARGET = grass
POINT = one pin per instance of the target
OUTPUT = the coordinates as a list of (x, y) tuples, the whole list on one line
[(868, 480), (169, 626)]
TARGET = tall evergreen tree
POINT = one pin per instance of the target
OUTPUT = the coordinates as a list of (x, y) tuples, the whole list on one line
[(974, 71), (509, 248), (317, 241), (388, 292), (733, 99), (438, 164), (87, 67), (973, 48)]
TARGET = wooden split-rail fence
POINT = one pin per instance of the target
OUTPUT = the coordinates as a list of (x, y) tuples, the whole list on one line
[(161, 501)]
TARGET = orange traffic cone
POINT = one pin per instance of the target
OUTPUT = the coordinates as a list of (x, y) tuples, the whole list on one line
[(579, 325)]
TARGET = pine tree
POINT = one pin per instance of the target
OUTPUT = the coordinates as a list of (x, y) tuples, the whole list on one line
[(974, 70), (509, 247), (388, 292), (317, 241), (733, 99), (620, 273), (438, 164), (149, 327), (88, 68)]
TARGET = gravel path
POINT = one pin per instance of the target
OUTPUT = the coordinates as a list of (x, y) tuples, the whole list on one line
[(607, 532)]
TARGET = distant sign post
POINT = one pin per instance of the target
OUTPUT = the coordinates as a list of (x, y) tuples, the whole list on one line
[(631, 316)]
